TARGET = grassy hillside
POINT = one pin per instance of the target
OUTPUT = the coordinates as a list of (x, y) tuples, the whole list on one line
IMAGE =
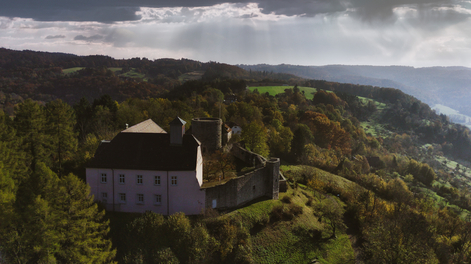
[(72, 70), (196, 75), (292, 241), (274, 90), (287, 230)]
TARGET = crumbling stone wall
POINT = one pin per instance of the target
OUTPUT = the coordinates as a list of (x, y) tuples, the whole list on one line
[(261, 182), (248, 157)]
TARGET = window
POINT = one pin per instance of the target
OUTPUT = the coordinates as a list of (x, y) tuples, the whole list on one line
[(122, 198), (157, 199), (139, 179), (140, 198), (104, 197), (156, 180), (121, 179), (174, 180), (103, 178)]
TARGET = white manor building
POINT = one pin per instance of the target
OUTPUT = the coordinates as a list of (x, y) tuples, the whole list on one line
[(146, 169)]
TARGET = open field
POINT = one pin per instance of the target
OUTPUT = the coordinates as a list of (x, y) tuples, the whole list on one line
[(133, 74), (115, 69), (130, 74), (190, 76), (274, 90), (72, 70), (371, 126)]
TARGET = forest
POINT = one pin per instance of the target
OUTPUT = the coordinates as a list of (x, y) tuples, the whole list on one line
[(432, 85), (371, 170)]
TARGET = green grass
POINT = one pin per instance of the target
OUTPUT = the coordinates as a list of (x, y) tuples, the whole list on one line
[(72, 70), (371, 126), (130, 74), (379, 106), (133, 74), (450, 164), (196, 75), (290, 241), (374, 128), (274, 90), (279, 244), (115, 69), (255, 213), (291, 170)]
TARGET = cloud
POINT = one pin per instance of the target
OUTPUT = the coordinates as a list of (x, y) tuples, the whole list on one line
[(307, 32), (5, 22), (106, 11), (57, 10), (302, 7), (89, 39), (120, 37), (55, 37), (110, 11)]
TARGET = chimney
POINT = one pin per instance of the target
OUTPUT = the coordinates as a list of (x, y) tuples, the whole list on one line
[(177, 130)]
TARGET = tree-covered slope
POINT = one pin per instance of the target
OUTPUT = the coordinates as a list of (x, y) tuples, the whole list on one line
[(433, 85)]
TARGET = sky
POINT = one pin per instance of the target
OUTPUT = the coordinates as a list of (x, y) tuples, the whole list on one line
[(419, 33)]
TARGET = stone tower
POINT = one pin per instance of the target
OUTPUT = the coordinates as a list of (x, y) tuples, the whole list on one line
[(209, 132), (273, 178)]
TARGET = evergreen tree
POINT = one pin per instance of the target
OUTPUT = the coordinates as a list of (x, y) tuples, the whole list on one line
[(12, 158), (7, 197), (82, 225), (30, 126), (60, 128), (83, 113), (27, 238), (55, 221)]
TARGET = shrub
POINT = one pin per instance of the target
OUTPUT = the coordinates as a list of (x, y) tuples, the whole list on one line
[(309, 201), (294, 210), (210, 213), (316, 234), (286, 199), (308, 231), (285, 212)]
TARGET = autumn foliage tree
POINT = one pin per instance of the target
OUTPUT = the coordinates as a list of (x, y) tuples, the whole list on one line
[(218, 163), (323, 97), (255, 137), (328, 134), (421, 172)]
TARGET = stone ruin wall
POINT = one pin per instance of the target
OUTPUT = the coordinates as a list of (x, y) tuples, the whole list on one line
[(263, 181)]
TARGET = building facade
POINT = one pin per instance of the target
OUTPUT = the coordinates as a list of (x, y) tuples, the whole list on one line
[(144, 168), (149, 171)]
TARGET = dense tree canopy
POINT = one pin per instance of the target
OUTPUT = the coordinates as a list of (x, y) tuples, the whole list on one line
[(390, 144)]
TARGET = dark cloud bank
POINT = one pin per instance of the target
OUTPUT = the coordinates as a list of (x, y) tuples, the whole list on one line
[(109, 11)]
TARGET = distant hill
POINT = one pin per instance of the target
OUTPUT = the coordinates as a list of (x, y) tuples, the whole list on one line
[(45, 76), (448, 86)]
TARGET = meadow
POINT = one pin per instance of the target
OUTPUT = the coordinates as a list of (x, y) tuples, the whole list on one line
[(274, 90)]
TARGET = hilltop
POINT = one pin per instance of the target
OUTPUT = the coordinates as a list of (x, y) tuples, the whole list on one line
[(44, 76), (447, 86), (374, 174)]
